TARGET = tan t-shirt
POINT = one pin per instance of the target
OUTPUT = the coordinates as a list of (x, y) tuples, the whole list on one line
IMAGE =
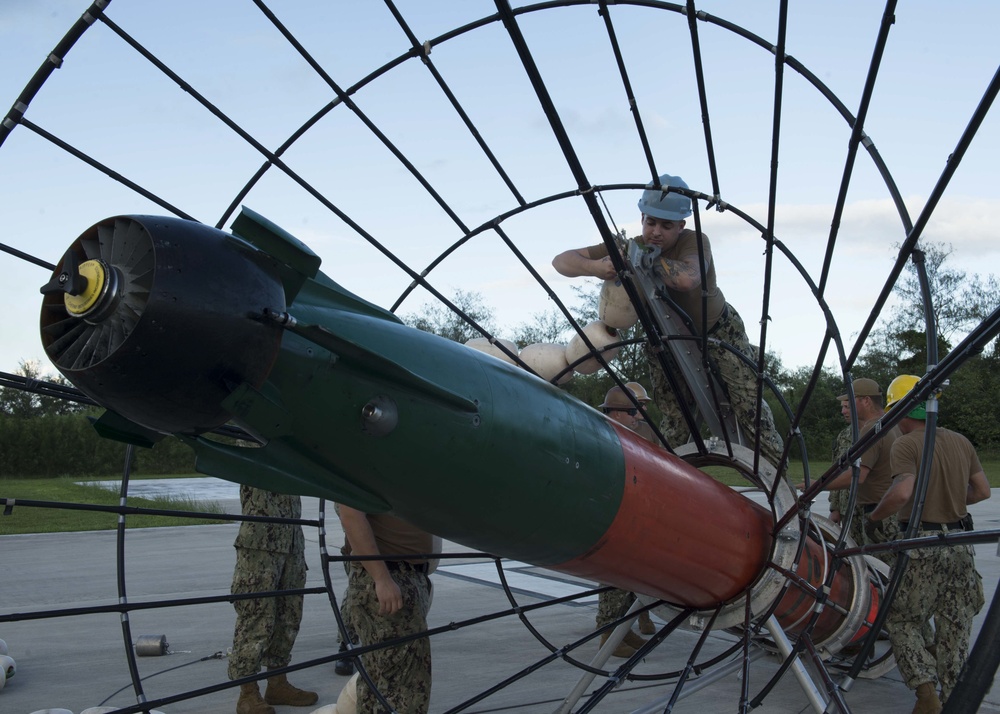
[(876, 458), (955, 461), (644, 430), (689, 301), (395, 536)]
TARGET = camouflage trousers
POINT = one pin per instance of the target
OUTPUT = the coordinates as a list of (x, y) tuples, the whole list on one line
[(888, 528), (740, 383), (402, 674), (838, 498), (266, 628), (941, 583), (612, 605), (838, 501)]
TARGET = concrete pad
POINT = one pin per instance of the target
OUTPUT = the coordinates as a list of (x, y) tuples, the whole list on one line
[(78, 661)]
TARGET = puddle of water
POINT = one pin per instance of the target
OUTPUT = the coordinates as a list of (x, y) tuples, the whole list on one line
[(195, 489)]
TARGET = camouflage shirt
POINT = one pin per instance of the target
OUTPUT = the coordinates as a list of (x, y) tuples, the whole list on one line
[(843, 442)]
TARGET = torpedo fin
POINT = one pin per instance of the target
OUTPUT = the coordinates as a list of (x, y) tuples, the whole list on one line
[(296, 261), (251, 407), (359, 356), (112, 425), (279, 466)]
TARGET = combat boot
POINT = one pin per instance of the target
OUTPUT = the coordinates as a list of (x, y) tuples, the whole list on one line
[(344, 667), (646, 625), (633, 640), (622, 650), (927, 700), (250, 701), (280, 691)]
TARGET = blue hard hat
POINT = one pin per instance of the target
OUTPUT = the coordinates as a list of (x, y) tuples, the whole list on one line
[(656, 202)]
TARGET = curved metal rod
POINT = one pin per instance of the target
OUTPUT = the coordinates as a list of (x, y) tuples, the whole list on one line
[(133, 667), (52, 62), (980, 668), (325, 561), (14, 117), (106, 170), (350, 91), (923, 472), (348, 102), (780, 59), (622, 672), (914, 233), (857, 133), (424, 52)]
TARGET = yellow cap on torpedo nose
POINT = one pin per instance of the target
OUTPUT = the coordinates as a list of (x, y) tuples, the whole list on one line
[(93, 271)]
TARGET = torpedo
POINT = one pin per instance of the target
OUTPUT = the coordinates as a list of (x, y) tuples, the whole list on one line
[(177, 328)]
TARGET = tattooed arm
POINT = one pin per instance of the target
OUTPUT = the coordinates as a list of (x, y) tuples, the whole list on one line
[(682, 274)]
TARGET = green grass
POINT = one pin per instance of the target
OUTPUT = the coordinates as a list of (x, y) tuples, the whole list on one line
[(63, 492), (31, 519)]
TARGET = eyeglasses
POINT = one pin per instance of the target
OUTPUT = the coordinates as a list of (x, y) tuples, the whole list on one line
[(631, 412)]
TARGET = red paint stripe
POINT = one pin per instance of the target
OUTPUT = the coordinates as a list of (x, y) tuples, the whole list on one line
[(681, 536), (678, 535), (794, 608)]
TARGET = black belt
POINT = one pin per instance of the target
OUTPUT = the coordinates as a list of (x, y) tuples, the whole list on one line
[(868, 507), (722, 316), (398, 564), (928, 526)]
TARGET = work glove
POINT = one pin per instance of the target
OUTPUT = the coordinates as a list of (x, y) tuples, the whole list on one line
[(873, 531)]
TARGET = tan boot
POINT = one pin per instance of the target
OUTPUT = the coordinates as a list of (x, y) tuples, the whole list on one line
[(622, 650), (633, 640), (280, 691), (646, 625), (250, 701), (927, 700)]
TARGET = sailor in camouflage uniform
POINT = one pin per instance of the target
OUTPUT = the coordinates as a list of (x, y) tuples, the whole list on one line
[(939, 582), (874, 475), (838, 499), (685, 256), (739, 380), (386, 600), (269, 557)]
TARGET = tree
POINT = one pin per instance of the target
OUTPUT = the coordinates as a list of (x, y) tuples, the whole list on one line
[(631, 364), (441, 320), (899, 346), (26, 404), (546, 327), (821, 421), (960, 301), (970, 404)]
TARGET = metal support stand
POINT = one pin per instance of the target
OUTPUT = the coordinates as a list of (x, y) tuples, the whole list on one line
[(602, 656), (809, 688)]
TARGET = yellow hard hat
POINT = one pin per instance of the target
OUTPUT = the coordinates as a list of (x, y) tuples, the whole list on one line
[(899, 388), (639, 391)]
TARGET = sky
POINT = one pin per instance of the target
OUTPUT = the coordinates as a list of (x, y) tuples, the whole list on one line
[(111, 103)]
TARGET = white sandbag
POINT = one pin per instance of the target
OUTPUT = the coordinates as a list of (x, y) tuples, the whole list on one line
[(600, 335), (614, 308), (482, 344), (547, 360)]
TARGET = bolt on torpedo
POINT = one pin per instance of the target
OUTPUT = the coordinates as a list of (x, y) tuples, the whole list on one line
[(178, 328)]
